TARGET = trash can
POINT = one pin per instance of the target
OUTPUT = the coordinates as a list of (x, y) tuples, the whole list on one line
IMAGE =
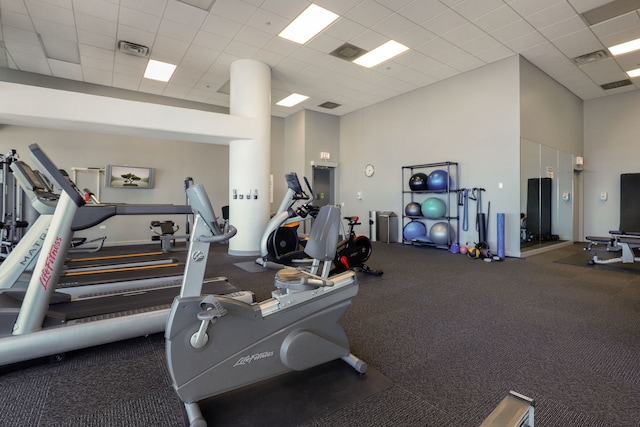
[(387, 230)]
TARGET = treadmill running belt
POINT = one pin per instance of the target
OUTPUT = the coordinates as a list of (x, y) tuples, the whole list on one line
[(138, 300)]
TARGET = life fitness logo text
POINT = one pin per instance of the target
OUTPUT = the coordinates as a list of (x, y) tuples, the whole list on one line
[(245, 360), (45, 277)]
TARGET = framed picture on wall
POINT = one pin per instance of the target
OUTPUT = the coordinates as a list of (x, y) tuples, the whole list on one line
[(129, 177)]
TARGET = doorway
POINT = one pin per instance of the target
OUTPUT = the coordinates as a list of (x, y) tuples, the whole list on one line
[(323, 185)]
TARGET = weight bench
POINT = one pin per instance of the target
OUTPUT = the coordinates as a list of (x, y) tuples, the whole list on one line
[(620, 242)]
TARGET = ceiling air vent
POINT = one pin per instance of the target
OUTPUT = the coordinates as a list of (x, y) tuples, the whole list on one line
[(329, 105), (133, 49), (588, 58), (613, 85), (348, 52)]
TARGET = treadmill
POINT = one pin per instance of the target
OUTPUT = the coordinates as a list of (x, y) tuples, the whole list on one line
[(16, 269), (39, 321)]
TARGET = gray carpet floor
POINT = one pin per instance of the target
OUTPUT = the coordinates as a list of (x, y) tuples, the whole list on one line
[(452, 334)]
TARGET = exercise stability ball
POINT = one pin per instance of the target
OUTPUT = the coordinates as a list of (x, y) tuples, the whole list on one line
[(441, 233), (414, 229), (438, 180), (412, 209), (418, 182), (433, 208)]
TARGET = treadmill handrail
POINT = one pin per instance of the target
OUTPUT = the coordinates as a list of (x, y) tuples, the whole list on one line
[(49, 168), (94, 214)]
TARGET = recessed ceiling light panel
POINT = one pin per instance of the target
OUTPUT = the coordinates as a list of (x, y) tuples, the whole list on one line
[(380, 54), (291, 100), (622, 48), (158, 70), (309, 23)]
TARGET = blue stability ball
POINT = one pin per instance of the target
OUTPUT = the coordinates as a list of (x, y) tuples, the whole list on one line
[(438, 180), (441, 233), (414, 229), (433, 208), (412, 209), (418, 182)]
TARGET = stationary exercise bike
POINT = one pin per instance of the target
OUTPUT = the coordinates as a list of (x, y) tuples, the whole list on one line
[(217, 344), (353, 251)]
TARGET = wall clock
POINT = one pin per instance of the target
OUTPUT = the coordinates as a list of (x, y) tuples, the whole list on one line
[(369, 170)]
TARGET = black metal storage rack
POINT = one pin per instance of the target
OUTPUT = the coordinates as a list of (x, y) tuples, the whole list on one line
[(449, 196)]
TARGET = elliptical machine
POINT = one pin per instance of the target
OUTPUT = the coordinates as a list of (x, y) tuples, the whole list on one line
[(280, 245)]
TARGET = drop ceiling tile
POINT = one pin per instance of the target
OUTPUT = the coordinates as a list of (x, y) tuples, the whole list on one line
[(97, 63), (126, 82), (16, 20), (525, 42), (463, 34), (129, 65), (31, 63), (96, 52), (629, 61), (17, 6), (285, 8), (96, 25), (240, 50), (139, 20), (184, 14), (222, 26), (368, 13), (420, 11), (497, 18), (96, 8), (341, 7), (42, 10), (444, 22), (96, 40), (472, 9), (551, 15), (392, 25), (152, 7), (20, 35), (135, 35), (96, 76), (605, 71), (200, 54), (308, 55), (345, 29), (621, 23), (434, 47), (65, 70), (528, 7), (415, 36), (324, 43), (176, 90), (152, 86), (561, 28), (621, 37), (176, 30), (582, 6), (512, 31), (58, 31), (168, 50), (494, 54), (368, 40), (268, 22), (211, 41), (578, 43), (253, 37), (410, 58), (272, 59), (234, 10)]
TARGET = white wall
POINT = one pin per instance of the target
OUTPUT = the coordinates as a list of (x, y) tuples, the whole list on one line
[(207, 164), (611, 133), (472, 119)]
